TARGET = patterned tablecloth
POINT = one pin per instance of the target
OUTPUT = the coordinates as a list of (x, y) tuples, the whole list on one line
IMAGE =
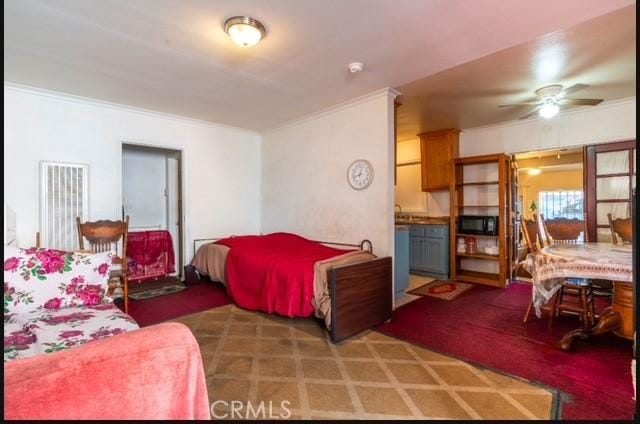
[(551, 265)]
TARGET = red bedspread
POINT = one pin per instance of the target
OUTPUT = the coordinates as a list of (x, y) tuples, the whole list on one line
[(274, 273)]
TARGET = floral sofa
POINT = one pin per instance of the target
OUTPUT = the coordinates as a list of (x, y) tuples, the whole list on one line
[(61, 361), (56, 300)]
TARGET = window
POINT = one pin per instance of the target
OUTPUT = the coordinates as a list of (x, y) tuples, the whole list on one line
[(64, 191), (562, 204)]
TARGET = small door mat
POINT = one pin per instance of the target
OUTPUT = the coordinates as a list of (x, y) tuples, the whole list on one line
[(441, 289), (161, 291)]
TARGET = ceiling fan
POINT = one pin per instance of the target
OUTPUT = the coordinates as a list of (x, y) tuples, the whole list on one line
[(552, 97)]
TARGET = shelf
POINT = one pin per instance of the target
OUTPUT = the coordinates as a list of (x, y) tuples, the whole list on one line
[(478, 206), (479, 256), (478, 277), (474, 235), (481, 183)]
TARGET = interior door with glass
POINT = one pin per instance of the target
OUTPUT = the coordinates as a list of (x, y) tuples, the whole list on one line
[(610, 180)]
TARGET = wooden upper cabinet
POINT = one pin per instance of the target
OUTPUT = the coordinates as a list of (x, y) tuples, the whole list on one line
[(437, 148)]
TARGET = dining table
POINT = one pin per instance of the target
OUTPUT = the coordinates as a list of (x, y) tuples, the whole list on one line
[(552, 265)]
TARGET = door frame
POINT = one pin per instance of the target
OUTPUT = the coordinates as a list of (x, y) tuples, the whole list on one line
[(181, 198)]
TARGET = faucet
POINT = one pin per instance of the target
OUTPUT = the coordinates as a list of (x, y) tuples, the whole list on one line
[(397, 206)]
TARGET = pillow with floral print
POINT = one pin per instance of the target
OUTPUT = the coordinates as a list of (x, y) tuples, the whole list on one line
[(52, 279)]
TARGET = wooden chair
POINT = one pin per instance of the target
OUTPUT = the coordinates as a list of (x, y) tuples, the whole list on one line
[(621, 227), (575, 296), (562, 230), (531, 233), (103, 236)]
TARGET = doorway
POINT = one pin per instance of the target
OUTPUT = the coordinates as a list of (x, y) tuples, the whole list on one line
[(152, 195), (547, 184)]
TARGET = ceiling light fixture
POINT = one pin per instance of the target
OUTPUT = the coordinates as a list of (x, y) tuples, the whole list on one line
[(244, 30), (534, 171), (549, 109)]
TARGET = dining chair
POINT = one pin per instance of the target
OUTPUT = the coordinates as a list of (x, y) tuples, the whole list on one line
[(105, 235), (622, 228), (576, 295), (563, 230)]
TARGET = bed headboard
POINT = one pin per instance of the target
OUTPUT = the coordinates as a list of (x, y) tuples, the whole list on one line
[(364, 244)]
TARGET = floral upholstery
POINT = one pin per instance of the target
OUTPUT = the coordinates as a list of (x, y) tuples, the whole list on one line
[(53, 279), (46, 331), (56, 300)]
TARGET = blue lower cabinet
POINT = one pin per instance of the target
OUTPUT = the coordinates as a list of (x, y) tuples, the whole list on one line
[(429, 251), (401, 261)]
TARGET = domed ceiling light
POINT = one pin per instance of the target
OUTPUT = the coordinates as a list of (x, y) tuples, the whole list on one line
[(244, 30)]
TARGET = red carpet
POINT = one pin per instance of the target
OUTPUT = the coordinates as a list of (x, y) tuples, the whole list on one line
[(484, 326), (196, 298)]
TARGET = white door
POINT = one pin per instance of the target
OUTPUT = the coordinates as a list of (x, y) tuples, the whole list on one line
[(144, 174)]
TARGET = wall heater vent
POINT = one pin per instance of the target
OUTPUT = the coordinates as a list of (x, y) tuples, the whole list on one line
[(64, 195)]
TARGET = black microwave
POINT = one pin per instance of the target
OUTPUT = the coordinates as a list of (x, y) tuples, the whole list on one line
[(478, 225)]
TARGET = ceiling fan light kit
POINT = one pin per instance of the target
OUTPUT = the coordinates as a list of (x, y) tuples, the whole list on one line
[(549, 110), (552, 97)]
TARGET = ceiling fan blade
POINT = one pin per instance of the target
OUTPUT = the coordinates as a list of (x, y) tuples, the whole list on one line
[(570, 90), (579, 102), (532, 112), (521, 104)]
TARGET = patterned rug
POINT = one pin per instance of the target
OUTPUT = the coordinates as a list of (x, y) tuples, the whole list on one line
[(148, 294), (445, 290), (266, 360)]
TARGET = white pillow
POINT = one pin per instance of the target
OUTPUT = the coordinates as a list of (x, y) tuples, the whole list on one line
[(52, 279)]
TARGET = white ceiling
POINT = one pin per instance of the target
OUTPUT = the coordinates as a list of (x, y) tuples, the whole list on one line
[(173, 56)]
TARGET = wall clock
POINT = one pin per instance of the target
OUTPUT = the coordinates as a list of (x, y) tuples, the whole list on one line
[(360, 174)]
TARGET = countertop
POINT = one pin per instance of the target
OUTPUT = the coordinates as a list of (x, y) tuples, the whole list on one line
[(423, 220)]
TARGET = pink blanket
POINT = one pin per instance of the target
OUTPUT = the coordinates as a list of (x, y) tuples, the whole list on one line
[(152, 373)]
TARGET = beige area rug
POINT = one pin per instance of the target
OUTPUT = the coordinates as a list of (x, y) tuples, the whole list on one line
[(258, 357)]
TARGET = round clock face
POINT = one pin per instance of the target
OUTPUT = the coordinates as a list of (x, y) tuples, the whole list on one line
[(360, 174)]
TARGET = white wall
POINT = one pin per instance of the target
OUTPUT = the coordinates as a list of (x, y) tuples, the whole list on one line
[(409, 192), (304, 169), (610, 121), (221, 164)]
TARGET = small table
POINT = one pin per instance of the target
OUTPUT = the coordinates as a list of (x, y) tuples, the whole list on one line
[(603, 261)]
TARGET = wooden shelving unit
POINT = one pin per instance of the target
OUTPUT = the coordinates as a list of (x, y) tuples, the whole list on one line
[(488, 196)]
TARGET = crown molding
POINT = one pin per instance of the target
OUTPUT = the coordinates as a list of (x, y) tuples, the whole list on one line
[(71, 98), (383, 92)]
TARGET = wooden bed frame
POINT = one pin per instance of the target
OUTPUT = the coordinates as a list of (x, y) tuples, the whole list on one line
[(361, 293)]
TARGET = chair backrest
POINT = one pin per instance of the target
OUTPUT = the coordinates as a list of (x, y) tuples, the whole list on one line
[(563, 230), (104, 235), (620, 227), (530, 232)]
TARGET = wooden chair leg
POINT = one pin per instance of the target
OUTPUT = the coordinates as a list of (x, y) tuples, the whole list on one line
[(526, 315), (554, 306), (125, 283), (584, 313)]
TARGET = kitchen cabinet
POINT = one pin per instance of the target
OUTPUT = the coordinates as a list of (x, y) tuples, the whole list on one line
[(437, 149), (429, 250), (401, 259)]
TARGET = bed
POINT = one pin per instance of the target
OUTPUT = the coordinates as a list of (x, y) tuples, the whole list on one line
[(345, 285)]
